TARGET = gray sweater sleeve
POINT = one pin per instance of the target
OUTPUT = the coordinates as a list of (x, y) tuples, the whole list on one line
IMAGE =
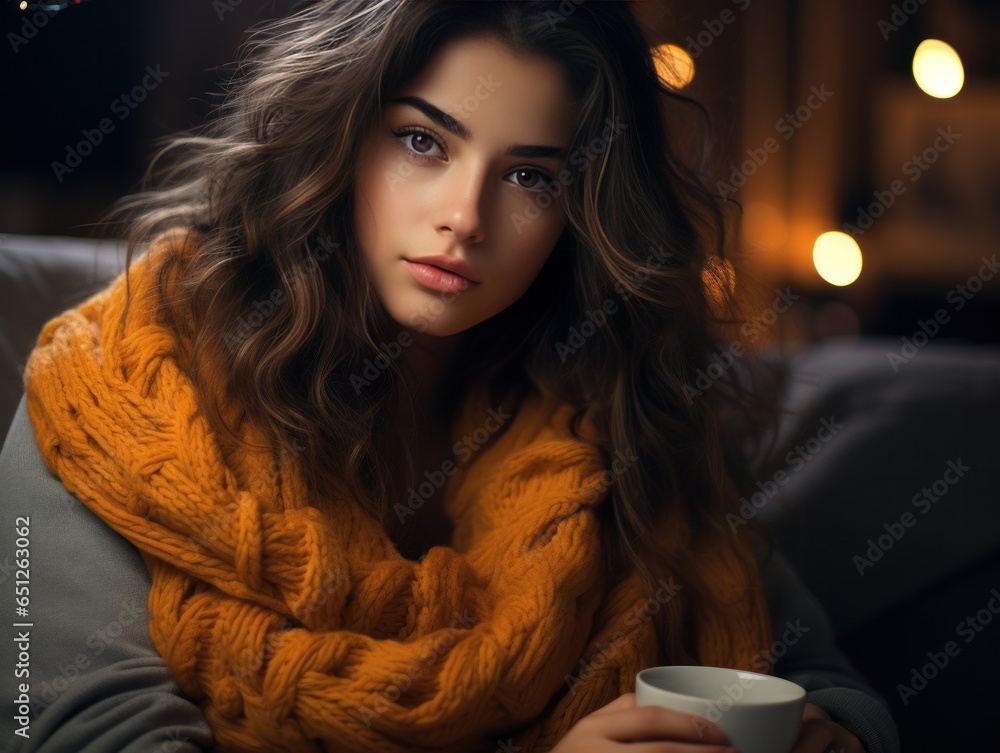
[(805, 652), (95, 682)]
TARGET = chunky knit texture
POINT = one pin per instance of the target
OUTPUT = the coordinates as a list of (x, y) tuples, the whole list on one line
[(296, 625)]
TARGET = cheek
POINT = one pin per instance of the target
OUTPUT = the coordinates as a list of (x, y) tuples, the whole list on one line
[(379, 198), (396, 196)]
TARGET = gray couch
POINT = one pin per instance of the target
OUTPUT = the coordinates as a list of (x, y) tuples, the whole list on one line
[(882, 489)]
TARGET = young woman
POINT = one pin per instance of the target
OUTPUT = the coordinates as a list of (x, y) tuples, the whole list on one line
[(396, 408)]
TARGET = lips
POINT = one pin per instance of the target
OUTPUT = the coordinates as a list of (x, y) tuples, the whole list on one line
[(449, 264), (438, 279)]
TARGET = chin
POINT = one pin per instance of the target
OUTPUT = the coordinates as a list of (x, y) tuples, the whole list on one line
[(424, 320), (442, 326), (433, 314)]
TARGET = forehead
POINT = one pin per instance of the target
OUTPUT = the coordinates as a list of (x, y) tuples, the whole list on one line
[(486, 86)]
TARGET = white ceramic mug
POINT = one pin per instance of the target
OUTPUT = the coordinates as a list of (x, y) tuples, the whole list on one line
[(759, 713)]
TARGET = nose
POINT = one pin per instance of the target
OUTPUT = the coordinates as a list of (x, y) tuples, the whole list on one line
[(461, 204)]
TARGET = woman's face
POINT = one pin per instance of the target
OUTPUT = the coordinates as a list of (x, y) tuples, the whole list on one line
[(451, 178)]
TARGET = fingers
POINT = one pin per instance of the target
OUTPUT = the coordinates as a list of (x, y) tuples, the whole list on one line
[(812, 711), (665, 747), (816, 736), (845, 742), (626, 723), (820, 734)]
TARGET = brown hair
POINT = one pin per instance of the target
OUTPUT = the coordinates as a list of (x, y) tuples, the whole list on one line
[(268, 186)]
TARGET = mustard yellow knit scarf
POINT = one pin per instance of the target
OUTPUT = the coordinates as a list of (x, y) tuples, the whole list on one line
[(299, 627)]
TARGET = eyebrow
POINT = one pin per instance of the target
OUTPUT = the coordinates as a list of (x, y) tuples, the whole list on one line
[(446, 121)]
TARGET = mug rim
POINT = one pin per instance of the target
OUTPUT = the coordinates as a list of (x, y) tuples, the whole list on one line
[(796, 691)]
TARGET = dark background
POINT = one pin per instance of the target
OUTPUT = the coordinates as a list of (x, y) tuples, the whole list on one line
[(65, 76)]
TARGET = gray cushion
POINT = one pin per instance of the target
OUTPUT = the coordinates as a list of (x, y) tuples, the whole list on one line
[(39, 277), (855, 495)]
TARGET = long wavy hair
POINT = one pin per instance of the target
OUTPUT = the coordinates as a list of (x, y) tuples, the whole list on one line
[(268, 185)]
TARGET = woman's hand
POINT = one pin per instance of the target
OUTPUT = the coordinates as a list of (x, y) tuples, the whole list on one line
[(822, 735), (623, 726), (654, 729)]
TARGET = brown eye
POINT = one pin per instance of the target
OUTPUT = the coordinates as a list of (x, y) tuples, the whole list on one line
[(537, 180), (421, 142), (530, 183), (418, 143)]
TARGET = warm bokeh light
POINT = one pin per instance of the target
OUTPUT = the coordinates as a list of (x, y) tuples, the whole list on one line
[(937, 69), (837, 257), (674, 65)]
